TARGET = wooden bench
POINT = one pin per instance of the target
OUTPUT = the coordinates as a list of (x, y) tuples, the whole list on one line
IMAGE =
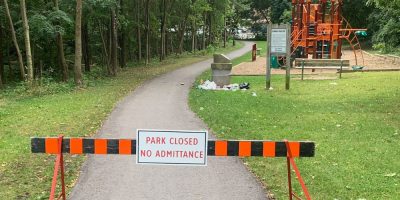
[(339, 64)]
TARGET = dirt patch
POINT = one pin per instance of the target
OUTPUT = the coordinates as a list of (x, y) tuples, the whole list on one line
[(258, 68), (371, 61)]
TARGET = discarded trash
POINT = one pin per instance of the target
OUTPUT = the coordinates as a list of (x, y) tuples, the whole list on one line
[(182, 83), (232, 87), (254, 94), (244, 86), (211, 85), (208, 85), (356, 67), (270, 88)]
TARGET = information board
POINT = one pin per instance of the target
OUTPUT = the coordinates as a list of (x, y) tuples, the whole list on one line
[(171, 147), (278, 41)]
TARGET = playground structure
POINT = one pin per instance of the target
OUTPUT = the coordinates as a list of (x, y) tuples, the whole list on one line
[(318, 29)]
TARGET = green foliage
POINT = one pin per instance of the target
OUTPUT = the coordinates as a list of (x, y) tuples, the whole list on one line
[(42, 27), (54, 108), (270, 10), (385, 25), (60, 20)]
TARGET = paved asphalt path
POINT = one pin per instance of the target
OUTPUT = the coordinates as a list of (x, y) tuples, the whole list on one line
[(161, 103)]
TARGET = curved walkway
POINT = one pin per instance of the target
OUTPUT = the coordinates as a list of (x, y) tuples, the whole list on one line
[(161, 103)]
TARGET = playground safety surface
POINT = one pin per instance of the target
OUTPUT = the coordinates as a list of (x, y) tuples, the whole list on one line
[(371, 62)]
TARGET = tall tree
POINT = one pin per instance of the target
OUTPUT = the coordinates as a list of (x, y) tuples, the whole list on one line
[(85, 46), (1, 55), (138, 24), (163, 10), (147, 31), (14, 39), (27, 42), (114, 43), (78, 44), (122, 37), (60, 50)]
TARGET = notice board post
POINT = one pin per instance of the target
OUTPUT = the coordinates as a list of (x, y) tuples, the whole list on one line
[(278, 44)]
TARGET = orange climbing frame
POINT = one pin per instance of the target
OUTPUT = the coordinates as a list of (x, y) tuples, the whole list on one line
[(318, 29)]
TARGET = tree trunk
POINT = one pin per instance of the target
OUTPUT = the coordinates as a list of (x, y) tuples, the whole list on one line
[(122, 57), (14, 39), (182, 31), (224, 31), (78, 44), (85, 46), (139, 39), (114, 43), (147, 32), (204, 32), (194, 37), (60, 50), (27, 42), (163, 30), (1, 56)]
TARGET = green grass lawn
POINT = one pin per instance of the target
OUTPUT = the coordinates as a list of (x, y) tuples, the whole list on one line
[(355, 123), (247, 56), (60, 109)]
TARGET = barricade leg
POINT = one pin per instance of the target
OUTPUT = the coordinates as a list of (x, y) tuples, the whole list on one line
[(289, 179), (291, 162), (58, 165)]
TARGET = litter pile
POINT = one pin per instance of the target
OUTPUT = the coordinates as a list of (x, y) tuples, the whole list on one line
[(210, 85)]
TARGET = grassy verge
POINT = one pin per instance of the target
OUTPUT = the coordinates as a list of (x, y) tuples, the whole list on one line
[(247, 57), (354, 121), (59, 109)]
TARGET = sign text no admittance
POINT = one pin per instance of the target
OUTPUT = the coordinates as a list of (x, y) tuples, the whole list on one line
[(171, 147)]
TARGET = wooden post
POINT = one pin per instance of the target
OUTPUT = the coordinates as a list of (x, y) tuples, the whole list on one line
[(302, 69), (268, 75), (288, 52), (278, 44), (341, 67)]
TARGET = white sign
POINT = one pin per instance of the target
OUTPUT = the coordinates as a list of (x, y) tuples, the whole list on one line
[(171, 147), (278, 41)]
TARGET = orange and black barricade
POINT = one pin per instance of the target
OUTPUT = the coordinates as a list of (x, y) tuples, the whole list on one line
[(241, 148)]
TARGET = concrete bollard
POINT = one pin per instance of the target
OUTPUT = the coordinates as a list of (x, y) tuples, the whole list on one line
[(221, 70)]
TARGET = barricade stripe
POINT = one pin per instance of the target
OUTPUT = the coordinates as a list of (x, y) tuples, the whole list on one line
[(51, 145), (280, 149), (215, 148), (112, 146), (211, 148), (269, 149), (88, 146), (295, 148), (257, 148), (100, 146), (233, 148), (38, 145), (133, 144), (125, 147), (307, 149), (244, 148), (76, 146), (221, 148), (66, 146)]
